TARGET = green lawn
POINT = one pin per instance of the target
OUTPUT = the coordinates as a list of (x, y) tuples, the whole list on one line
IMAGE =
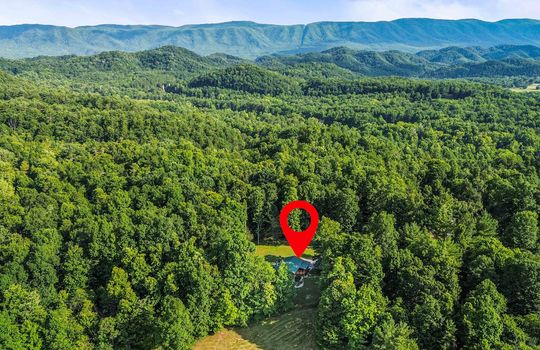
[(272, 252)]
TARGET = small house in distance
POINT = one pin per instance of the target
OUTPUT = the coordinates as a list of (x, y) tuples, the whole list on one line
[(298, 266)]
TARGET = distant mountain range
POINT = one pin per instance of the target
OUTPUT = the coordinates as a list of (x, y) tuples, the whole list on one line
[(251, 40)]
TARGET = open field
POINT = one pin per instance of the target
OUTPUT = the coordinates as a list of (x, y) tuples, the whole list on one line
[(530, 88), (292, 330), (282, 250), (225, 340)]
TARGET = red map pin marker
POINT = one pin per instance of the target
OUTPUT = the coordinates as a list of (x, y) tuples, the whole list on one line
[(299, 240)]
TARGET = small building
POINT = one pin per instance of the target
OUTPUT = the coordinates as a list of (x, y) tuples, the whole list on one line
[(298, 266)]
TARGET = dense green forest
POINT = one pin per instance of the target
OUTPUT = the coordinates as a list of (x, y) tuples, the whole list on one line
[(509, 65), (452, 62), (131, 195)]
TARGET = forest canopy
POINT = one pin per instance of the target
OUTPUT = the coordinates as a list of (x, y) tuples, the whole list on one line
[(131, 195)]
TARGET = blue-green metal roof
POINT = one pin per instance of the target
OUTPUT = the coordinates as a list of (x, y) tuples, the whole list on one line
[(294, 263)]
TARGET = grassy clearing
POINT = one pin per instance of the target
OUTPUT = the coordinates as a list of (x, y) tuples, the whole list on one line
[(292, 330), (272, 252), (530, 88), (225, 340)]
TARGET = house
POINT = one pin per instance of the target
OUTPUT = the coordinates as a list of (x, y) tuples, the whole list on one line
[(298, 266)]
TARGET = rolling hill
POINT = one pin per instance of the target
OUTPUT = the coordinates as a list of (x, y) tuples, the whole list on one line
[(457, 55), (250, 40), (176, 60), (509, 67), (109, 70), (362, 62), (172, 68), (450, 62)]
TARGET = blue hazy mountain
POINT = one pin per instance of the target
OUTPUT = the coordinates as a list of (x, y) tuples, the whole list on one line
[(251, 40)]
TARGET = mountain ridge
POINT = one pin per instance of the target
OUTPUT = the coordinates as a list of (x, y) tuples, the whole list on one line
[(250, 39), (166, 66), (450, 62)]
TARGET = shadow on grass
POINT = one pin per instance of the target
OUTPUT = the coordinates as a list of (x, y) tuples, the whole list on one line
[(273, 258), (309, 294)]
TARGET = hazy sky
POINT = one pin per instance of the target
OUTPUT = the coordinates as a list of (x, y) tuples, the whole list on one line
[(178, 12)]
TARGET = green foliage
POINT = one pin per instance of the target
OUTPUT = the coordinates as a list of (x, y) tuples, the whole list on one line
[(434, 328), (360, 62), (175, 327), (483, 312), (284, 288), (347, 314), (451, 62), (128, 203), (247, 78), (523, 230), (392, 336), (520, 282), (22, 317), (63, 330)]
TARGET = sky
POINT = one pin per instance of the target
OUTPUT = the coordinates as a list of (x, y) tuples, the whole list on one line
[(74, 13)]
